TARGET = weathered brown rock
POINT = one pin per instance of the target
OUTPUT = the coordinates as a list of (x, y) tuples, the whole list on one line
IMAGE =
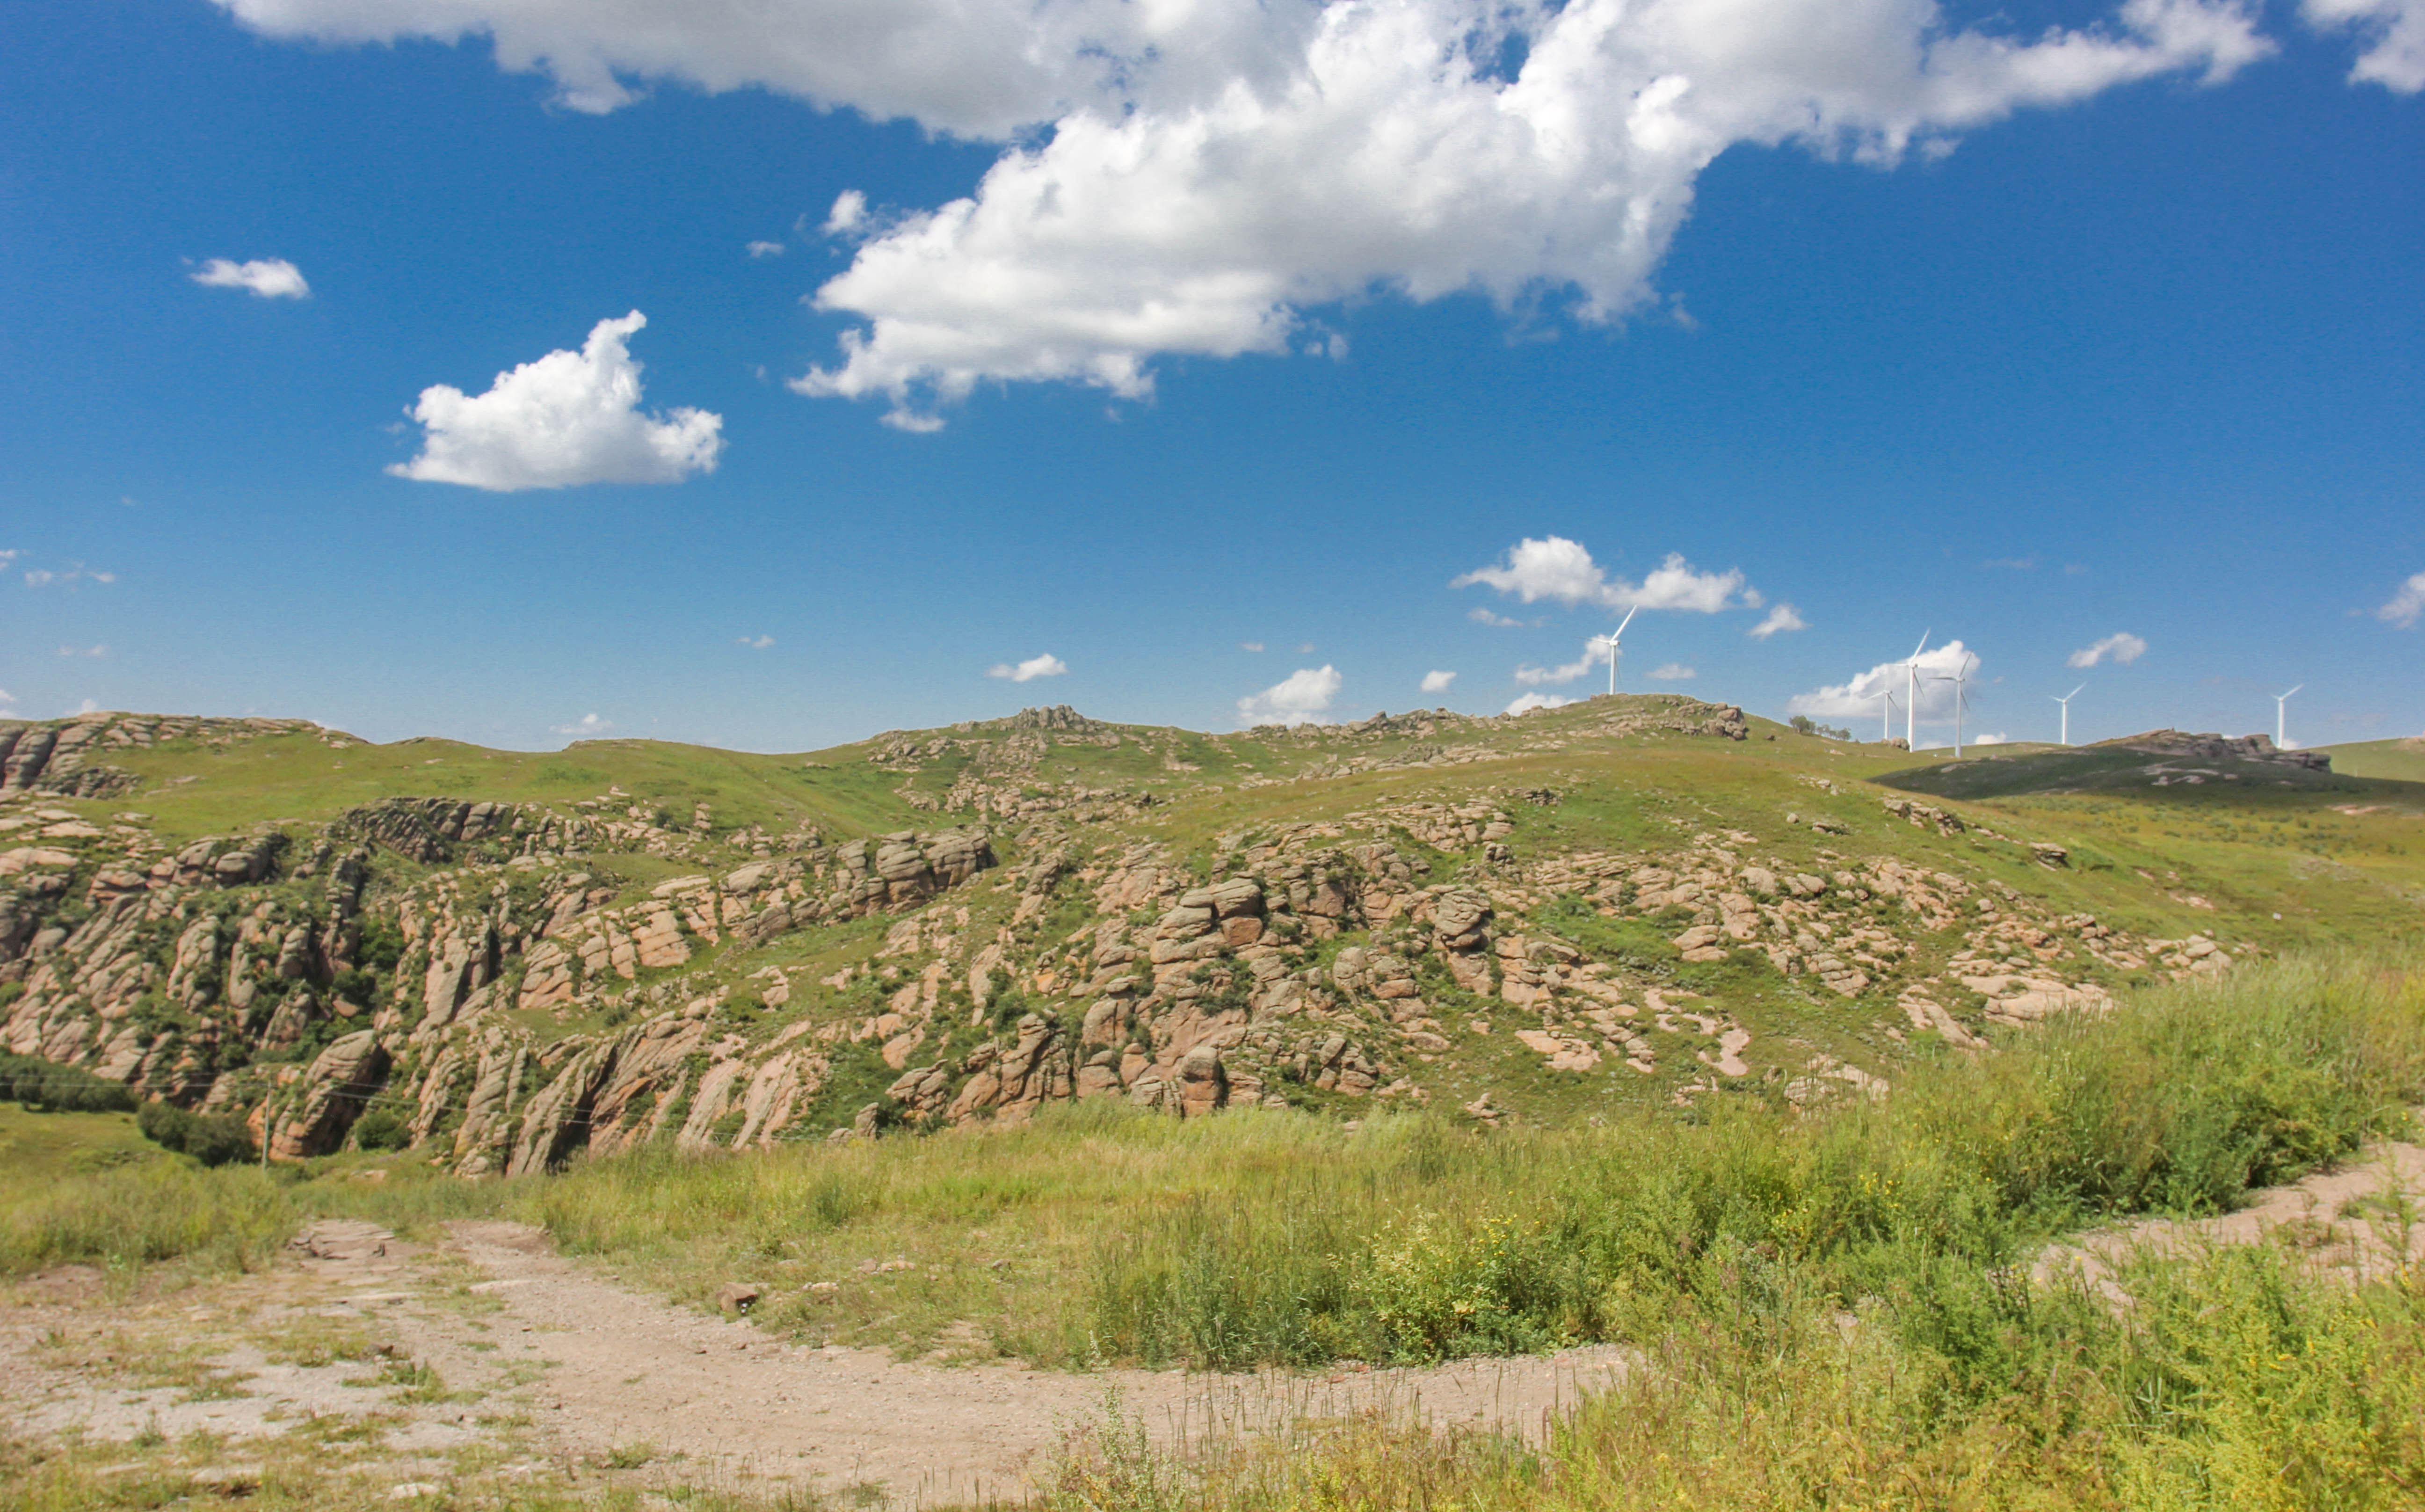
[(341, 1080)]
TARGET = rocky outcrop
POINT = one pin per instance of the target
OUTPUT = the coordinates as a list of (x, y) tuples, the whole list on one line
[(2213, 748), (332, 1095), (427, 829)]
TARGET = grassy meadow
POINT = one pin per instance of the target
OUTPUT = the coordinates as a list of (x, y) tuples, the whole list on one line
[(1832, 1310)]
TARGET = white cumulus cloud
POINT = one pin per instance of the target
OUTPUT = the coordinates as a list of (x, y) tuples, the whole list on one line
[(764, 250), (1673, 672), (588, 724), (1438, 682), (565, 420), (2406, 605), (1782, 617), (1562, 569), (1862, 695), (268, 278), (1193, 177), (1029, 670), (1302, 698), (1526, 703), (2122, 649), (2393, 34)]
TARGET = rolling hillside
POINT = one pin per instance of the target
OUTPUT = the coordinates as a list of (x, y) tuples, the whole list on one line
[(506, 960)]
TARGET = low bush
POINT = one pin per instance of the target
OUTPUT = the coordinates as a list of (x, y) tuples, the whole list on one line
[(40, 1085), (214, 1139)]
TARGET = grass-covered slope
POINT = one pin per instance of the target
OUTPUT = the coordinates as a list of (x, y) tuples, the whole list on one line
[(505, 960)]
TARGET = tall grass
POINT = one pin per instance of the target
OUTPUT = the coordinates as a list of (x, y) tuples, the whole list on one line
[(227, 1219), (1099, 1233), (2236, 1380)]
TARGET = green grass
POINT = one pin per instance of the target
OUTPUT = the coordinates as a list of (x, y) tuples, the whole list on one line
[(1832, 1310)]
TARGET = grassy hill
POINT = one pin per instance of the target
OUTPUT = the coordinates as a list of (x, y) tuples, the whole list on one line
[(510, 959)]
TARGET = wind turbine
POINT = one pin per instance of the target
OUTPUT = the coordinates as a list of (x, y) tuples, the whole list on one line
[(1911, 704), (1961, 698), (2065, 702), (1885, 715), (1617, 645), (2281, 716)]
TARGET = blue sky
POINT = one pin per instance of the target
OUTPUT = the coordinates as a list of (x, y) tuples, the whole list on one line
[(2088, 324)]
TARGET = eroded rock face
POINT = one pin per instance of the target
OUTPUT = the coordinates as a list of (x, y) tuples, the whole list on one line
[(341, 1080)]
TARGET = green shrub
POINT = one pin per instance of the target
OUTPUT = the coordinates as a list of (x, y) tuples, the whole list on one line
[(41, 1085), (381, 1129), (214, 1140)]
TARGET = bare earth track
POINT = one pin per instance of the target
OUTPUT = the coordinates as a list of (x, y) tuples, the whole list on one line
[(548, 1369)]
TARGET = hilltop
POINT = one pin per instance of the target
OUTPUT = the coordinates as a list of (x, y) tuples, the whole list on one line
[(505, 959)]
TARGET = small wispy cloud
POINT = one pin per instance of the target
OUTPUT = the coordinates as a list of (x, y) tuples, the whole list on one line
[(1595, 655), (1438, 682), (1304, 648), (267, 277), (1481, 616), (588, 724), (2121, 649), (2406, 605), (1250, 645), (76, 572), (84, 650), (754, 642), (848, 214), (762, 249), (1783, 617), (1029, 670), (1673, 672), (1526, 703)]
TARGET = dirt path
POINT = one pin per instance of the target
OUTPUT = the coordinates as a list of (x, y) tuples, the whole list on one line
[(2365, 1218), (393, 1372), (624, 1370)]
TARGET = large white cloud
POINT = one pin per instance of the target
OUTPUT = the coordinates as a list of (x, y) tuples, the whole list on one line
[(567, 419), (2394, 30), (1302, 698), (1192, 176), (266, 278), (1391, 157), (1556, 567), (981, 68), (1862, 697)]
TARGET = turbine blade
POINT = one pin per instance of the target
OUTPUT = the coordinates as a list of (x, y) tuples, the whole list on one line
[(1628, 620), (1923, 642)]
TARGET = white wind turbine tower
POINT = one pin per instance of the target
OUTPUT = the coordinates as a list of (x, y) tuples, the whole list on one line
[(1616, 647), (1885, 715), (1911, 703), (2065, 702), (1961, 698), (2281, 717)]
